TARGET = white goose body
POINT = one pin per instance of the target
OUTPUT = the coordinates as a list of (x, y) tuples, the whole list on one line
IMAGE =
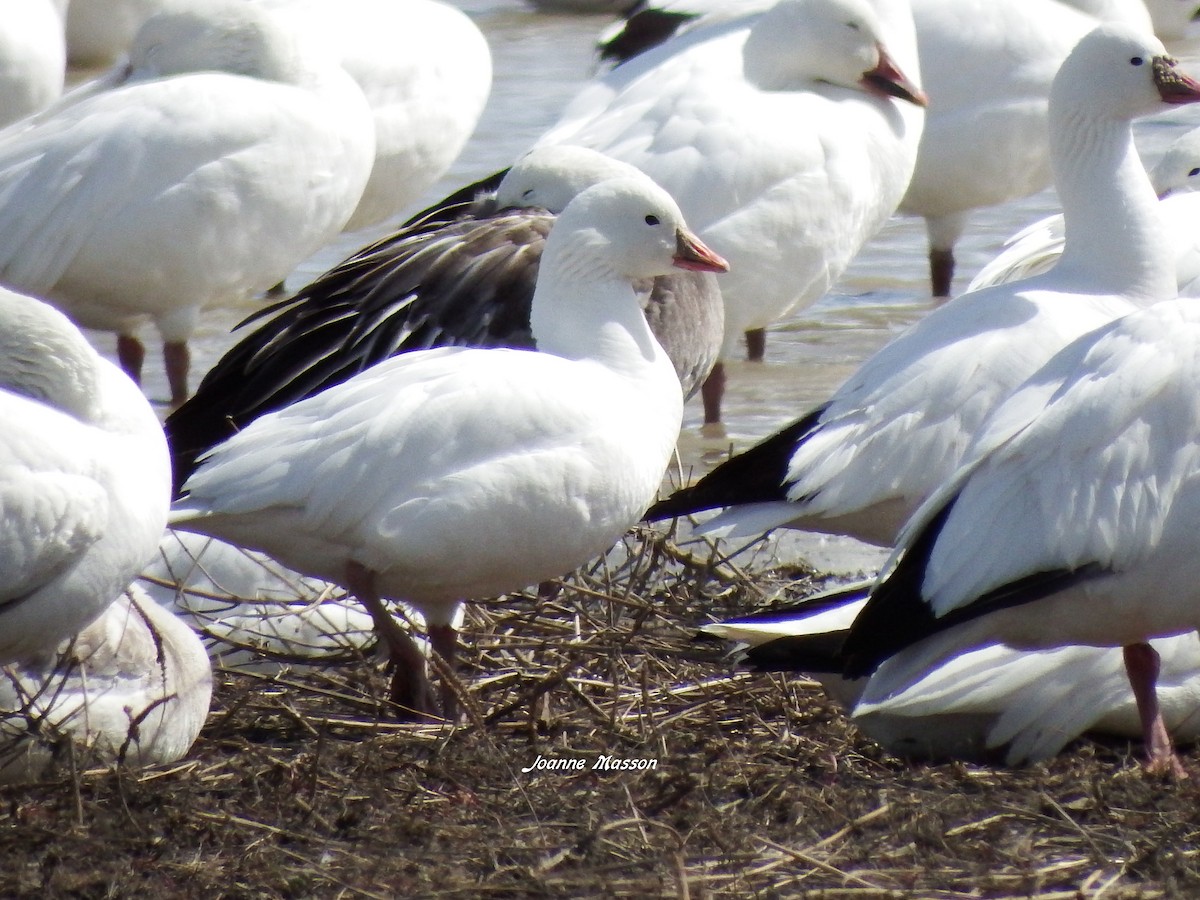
[(1072, 520), (982, 147), (133, 687), (985, 704), (222, 155), (463, 274), (895, 430), (764, 131), (446, 474), (33, 59), (425, 69), (84, 479)]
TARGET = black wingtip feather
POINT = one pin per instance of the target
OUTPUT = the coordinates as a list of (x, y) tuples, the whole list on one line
[(811, 653), (897, 615), (756, 475)]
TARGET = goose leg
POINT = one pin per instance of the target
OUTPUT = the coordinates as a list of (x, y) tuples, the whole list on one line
[(411, 690), (177, 360), (1142, 665), (711, 392), (444, 639), (941, 271), (756, 344), (131, 354)]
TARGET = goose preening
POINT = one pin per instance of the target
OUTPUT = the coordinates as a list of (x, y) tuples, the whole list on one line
[(84, 479), (133, 687), (1175, 178), (462, 275), (33, 59), (442, 475), (251, 612), (789, 206), (985, 704), (1071, 521), (227, 150), (862, 462), (426, 71)]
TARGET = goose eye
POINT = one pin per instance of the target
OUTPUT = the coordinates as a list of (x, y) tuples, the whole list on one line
[(1195, 171), (527, 194), (1136, 61), (651, 220)]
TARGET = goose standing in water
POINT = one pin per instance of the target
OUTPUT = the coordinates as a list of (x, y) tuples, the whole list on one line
[(463, 274), (788, 137), (862, 462), (226, 151), (447, 474), (978, 148)]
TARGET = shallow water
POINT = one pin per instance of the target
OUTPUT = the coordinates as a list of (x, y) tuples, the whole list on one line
[(540, 60)]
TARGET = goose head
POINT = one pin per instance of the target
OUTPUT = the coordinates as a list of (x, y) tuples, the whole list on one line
[(838, 42), (229, 36), (1179, 168), (44, 357), (628, 228), (550, 177), (1118, 73)]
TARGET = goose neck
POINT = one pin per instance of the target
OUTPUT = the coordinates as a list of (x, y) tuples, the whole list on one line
[(1115, 239)]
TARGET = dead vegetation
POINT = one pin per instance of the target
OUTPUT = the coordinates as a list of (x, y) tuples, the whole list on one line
[(302, 785)]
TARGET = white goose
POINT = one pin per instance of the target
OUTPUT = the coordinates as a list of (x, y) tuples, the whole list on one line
[(221, 156), (425, 69), (1175, 178), (33, 59), (985, 147), (983, 704), (133, 687), (462, 274), (1072, 521), (84, 479), (790, 206), (862, 462), (979, 147), (455, 473)]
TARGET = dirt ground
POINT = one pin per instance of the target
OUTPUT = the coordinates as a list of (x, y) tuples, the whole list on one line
[(303, 784)]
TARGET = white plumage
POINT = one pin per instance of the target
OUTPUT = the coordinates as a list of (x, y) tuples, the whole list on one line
[(426, 71), (33, 58), (789, 206), (1037, 247), (1072, 521), (862, 462), (84, 479), (985, 704), (132, 687), (448, 474), (223, 154)]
